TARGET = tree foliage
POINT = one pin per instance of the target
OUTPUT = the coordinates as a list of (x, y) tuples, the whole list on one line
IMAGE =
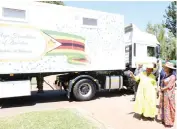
[(171, 46), (54, 2), (159, 31), (167, 40), (170, 16)]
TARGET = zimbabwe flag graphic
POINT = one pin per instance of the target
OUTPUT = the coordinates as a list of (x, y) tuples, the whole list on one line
[(72, 46)]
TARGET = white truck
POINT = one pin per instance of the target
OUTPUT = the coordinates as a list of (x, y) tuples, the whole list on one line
[(87, 49)]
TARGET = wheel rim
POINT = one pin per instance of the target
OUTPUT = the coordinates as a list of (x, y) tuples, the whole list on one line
[(85, 89)]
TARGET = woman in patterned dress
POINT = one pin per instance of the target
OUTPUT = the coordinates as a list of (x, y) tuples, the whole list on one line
[(166, 112)]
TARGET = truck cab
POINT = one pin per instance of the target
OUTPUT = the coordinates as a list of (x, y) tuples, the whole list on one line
[(140, 46)]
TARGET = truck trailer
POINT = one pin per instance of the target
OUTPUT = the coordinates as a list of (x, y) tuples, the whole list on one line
[(88, 50)]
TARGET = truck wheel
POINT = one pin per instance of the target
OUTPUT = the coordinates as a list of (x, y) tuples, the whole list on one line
[(84, 90)]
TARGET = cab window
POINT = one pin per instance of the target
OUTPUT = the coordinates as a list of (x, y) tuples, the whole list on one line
[(151, 51)]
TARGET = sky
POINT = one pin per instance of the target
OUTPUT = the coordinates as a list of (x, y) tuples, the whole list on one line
[(138, 13)]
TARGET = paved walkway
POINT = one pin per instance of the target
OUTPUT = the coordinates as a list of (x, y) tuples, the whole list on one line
[(115, 111)]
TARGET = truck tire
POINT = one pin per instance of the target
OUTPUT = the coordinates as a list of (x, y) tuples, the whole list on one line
[(84, 90)]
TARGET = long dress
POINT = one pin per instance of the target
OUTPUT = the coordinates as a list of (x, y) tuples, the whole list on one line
[(145, 103), (167, 102)]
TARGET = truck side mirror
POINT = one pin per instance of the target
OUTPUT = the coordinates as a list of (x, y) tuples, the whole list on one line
[(158, 51)]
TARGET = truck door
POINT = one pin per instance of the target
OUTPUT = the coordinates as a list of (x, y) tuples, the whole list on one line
[(141, 51), (145, 53)]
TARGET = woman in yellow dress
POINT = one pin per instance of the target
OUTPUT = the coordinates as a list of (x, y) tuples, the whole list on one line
[(145, 103)]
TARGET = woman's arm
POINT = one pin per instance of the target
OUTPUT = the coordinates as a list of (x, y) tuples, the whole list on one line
[(132, 75), (170, 84), (136, 78)]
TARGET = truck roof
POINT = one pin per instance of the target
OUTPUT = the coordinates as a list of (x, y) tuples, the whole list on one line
[(135, 35), (27, 3)]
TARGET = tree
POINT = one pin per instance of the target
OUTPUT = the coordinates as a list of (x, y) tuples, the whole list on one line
[(159, 31), (54, 2), (170, 16), (167, 40), (171, 46)]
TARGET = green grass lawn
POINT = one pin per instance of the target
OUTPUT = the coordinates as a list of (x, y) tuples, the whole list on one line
[(57, 119)]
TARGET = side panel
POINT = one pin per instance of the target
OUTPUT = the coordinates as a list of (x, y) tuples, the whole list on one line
[(57, 39), (128, 45), (15, 88), (128, 54)]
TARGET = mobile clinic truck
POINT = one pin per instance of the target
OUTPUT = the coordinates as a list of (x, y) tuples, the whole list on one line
[(85, 48)]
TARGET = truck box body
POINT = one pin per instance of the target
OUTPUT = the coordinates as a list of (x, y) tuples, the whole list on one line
[(38, 37)]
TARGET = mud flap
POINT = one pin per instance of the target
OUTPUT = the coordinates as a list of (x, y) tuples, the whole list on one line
[(69, 89)]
